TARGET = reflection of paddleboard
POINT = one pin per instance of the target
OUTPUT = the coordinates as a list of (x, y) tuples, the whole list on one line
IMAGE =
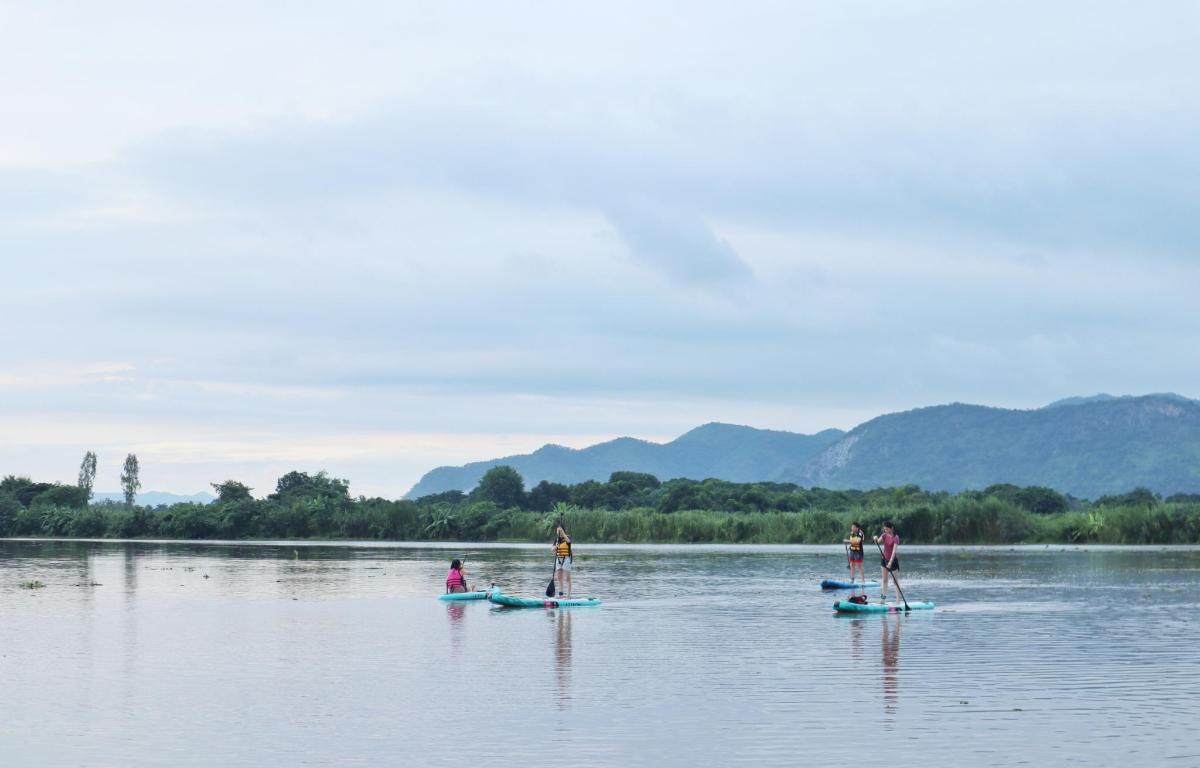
[(469, 595), (835, 584), (541, 602), (845, 606)]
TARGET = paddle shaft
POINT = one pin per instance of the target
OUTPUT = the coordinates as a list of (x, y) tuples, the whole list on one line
[(553, 573), (894, 579)]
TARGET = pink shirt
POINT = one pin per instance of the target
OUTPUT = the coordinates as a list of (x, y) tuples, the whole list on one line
[(889, 541)]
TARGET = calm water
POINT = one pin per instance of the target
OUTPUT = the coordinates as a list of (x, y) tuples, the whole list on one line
[(224, 655)]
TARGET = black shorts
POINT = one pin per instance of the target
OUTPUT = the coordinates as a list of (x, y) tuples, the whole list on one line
[(895, 565)]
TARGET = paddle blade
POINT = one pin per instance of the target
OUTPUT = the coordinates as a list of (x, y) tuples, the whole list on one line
[(550, 588)]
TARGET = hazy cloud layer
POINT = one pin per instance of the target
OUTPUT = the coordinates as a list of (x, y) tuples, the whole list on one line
[(387, 237)]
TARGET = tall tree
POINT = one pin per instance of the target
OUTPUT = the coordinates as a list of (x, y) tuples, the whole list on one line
[(502, 485), (130, 483), (231, 491), (87, 473)]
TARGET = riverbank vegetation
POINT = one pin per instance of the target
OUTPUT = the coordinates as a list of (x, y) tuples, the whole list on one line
[(630, 507)]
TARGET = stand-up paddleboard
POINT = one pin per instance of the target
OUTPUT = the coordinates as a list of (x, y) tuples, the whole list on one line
[(845, 606), (509, 601), (455, 596), (835, 584)]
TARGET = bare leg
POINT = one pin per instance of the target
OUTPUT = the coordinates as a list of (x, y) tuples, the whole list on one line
[(567, 578), (883, 575)]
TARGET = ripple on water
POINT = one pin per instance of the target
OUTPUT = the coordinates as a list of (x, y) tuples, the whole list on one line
[(311, 655)]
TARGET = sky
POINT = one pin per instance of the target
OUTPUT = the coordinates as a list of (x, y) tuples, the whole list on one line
[(372, 238)]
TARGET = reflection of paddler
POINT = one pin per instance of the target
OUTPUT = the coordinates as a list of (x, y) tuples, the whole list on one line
[(890, 646), (562, 651), (856, 638), (455, 611)]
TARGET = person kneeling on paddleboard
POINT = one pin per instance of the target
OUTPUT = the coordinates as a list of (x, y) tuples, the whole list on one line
[(854, 552), (890, 562), (456, 580), (562, 560)]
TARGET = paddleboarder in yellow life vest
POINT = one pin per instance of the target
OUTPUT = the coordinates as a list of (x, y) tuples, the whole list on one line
[(562, 561), (854, 552)]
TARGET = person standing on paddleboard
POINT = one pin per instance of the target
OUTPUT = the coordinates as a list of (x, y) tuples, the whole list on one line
[(456, 579), (890, 562), (562, 560), (854, 551)]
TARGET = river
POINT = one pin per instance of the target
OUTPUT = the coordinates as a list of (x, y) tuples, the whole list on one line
[(322, 654)]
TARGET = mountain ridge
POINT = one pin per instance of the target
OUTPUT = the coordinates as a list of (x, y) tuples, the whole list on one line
[(737, 452), (1085, 446)]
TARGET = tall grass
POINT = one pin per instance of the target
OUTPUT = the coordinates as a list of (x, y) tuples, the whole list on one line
[(956, 521), (951, 520)]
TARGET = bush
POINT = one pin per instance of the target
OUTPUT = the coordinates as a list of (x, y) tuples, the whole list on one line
[(630, 507)]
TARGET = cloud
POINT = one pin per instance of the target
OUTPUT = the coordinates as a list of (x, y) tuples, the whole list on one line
[(679, 245), (381, 222)]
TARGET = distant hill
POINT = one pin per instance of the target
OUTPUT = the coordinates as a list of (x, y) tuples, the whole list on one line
[(1091, 448), (1085, 446), (154, 498), (725, 451), (1103, 397), (1100, 398)]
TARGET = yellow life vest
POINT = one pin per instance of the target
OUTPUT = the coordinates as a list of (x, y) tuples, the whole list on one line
[(856, 541), (562, 549)]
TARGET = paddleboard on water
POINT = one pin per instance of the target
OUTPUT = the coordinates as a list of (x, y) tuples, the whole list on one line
[(835, 584), (509, 601), (456, 596), (845, 606)]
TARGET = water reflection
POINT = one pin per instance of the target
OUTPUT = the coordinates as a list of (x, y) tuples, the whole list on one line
[(454, 614), (160, 666), (129, 572), (857, 626), (562, 656), (889, 641)]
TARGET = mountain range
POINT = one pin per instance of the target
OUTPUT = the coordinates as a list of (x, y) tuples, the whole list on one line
[(1084, 446)]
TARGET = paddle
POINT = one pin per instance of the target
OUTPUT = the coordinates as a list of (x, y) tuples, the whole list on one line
[(550, 586), (894, 579)]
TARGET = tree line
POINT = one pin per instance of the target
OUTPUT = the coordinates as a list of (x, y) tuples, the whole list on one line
[(628, 507)]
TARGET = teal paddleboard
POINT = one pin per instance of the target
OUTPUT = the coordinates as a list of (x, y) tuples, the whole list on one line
[(509, 601), (456, 596), (845, 606)]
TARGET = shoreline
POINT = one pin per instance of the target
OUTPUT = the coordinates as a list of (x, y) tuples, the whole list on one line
[(604, 547)]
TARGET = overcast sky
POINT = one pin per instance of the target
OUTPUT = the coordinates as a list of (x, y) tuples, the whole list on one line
[(372, 238)]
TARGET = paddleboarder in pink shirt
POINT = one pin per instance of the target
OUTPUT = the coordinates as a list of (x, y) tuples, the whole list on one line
[(890, 562)]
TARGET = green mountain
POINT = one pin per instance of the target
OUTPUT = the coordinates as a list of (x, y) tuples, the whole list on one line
[(1087, 447), (725, 451)]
